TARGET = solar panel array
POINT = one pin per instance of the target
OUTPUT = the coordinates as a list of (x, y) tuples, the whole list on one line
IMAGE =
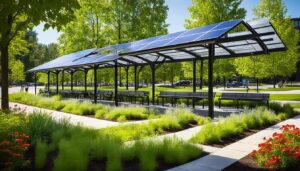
[(180, 46)]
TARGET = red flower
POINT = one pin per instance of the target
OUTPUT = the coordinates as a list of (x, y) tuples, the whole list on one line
[(18, 155), (25, 136), (5, 142), (19, 140)]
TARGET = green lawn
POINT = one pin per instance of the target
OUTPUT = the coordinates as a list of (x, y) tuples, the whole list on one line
[(268, 89), (293, 97), (295, 105)]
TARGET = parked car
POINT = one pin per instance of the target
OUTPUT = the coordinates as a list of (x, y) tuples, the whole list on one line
[(234, 84), (182, 83)]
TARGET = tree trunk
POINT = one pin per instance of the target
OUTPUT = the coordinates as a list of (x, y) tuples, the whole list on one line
[(274, 81), (4, 77)]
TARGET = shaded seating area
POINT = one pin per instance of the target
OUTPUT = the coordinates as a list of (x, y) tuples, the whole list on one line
[(228, 39), (174, 96), (260, 97)]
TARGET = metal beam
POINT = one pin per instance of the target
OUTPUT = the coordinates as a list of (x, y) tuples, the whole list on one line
[(194, 79), (210, 81), (201, 74), (144, 59), (34, 82), (165, 56), (57, 72), (62, 79), (135, 78), (116, 83), (72, 73), (243, 37), (153, 82), (85, 80), (191, 53), (226, 49), (127, 82), (95, 83), (48, 75), (257, 38)]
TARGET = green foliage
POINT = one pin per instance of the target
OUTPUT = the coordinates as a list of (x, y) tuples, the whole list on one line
[(173, 120), (40, 126), (11, 122), (41, 151), (127, 113), (234, 125)]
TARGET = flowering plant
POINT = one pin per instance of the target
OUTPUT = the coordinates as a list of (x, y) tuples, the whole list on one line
[(281, 150), (12, 151)]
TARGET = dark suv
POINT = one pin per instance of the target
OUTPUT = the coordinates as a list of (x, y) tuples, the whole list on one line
[(182, 83)]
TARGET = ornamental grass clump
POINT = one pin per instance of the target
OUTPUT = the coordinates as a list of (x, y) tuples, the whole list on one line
[(280, 151), (234, 125), (127, 113)]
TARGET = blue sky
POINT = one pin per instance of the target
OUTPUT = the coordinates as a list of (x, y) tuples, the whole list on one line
[(178, 12)]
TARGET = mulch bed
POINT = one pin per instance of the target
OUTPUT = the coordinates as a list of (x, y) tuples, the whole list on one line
[(248, 164), (134, 164)]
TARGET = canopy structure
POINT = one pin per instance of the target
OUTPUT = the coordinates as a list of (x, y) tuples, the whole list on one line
[(228, 39)]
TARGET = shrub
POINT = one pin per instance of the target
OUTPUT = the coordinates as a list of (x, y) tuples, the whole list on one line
[(234, 125), (12, 152), (280, 151)]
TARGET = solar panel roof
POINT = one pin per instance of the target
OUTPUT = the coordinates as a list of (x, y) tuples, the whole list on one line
[(258, 37)]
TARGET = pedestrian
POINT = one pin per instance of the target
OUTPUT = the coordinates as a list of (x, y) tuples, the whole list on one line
[(247, 85)]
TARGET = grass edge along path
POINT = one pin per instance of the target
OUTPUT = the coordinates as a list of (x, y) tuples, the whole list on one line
[(237, 123), (100, 111)]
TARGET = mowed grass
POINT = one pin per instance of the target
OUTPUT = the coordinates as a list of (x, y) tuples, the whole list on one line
[(295, 105), (292, 97)]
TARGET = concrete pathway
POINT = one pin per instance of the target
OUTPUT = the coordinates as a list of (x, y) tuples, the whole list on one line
[(74, 119), (222, 158)]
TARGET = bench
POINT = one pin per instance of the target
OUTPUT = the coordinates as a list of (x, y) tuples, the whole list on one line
[(195, 96), (263, 97), (133, 95), (101, 94)]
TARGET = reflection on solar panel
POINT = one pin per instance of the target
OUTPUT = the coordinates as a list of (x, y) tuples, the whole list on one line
[(259, 38)]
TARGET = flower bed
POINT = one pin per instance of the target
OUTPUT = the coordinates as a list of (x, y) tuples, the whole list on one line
[(282, 150)]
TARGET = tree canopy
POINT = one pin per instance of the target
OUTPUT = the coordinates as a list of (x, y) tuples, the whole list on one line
[(16, 16)]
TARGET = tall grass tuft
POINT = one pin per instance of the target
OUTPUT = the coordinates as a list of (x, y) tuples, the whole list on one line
[(41, 151), (234, 125)]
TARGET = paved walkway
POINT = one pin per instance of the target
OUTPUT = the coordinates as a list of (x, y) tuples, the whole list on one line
[(222, 158), (74, 119)]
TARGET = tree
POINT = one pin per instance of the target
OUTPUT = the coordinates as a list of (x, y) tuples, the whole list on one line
[(16, 16), (17, 71), (205, 12), (113, 22), (282, 63)]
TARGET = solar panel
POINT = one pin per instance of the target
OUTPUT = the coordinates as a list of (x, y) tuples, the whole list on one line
[(179, 46), (212, 31)]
